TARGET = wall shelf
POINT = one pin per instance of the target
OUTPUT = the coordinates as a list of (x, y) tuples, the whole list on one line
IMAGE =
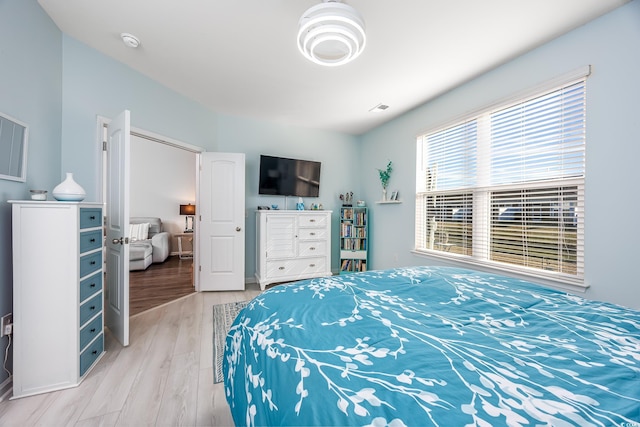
[(388, 202)]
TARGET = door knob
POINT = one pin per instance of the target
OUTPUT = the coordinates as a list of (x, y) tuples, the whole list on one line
[(238, 228), (116, 241)]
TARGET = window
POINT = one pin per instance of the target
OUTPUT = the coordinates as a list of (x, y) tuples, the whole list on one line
[(505, 187)]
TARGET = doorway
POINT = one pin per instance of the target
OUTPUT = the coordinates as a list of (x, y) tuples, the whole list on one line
[(163, 176)]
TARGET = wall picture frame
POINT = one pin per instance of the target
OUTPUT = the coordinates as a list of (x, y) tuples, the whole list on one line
[(394, 195), (14, 138)]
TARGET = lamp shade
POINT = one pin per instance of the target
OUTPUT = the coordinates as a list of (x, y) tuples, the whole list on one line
[(331, 33), (188, 209)]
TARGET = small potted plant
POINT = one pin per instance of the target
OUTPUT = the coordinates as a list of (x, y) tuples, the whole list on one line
[(385, 175)]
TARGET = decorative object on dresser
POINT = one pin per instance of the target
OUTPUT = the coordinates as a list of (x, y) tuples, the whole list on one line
[(69, 190), (292, 245), (38, 194), (57, 294), (354, 239)]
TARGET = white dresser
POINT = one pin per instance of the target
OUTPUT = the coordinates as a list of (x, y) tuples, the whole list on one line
[(57, 294), (292, 245)]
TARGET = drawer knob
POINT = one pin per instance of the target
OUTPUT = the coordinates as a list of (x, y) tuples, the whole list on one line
[(93, 307), (93, 285), (312, 234), (312, 220), (280, 268), (92, 217), (312, 249), (312, 265), (92, 263), (92, 240), (94, 352), (92, 330)]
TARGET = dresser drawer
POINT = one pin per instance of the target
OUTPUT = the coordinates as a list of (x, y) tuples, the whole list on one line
[(291, 267), (90, 263), (90, 286), (319, 221), (312, 248), (90, 240), (90, 308), (312, 233), (91, 354), (90, 217), (90, 331)]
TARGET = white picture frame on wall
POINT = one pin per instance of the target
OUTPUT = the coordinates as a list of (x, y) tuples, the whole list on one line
[(14, 138)]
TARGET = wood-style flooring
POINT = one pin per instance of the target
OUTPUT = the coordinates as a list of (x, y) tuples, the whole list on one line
[(160, 284), (163, 378)]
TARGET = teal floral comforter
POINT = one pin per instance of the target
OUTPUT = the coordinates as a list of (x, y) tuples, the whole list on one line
[(431, 346)]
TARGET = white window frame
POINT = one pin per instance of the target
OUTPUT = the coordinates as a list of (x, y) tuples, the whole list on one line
[(480, 255)]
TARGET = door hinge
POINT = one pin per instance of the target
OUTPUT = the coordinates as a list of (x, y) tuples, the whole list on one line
[(104, 145)]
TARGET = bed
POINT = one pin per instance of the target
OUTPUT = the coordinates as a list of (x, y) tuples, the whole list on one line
[(431, 346)]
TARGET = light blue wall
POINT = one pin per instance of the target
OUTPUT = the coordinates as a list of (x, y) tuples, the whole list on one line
[(340, 170), (96, 85), (611, 45), (30, 91)]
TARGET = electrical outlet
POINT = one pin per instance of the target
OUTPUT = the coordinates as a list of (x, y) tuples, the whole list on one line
[(6, 324)]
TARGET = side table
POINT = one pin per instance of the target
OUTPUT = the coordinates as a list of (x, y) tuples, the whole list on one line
[(184, 254)]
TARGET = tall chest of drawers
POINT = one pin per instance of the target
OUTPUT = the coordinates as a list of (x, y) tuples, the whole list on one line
[(58, 322), (292, 245)]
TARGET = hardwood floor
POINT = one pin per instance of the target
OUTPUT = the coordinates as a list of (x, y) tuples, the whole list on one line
[(160, 284), (163, 378)]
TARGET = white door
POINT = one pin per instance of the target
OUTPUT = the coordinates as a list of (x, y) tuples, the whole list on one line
[(117, 278), (220, 229)]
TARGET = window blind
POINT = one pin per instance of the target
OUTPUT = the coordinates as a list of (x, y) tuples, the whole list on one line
[(505, 187)]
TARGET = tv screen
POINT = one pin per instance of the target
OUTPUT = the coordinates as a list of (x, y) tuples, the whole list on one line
[(280, 176)]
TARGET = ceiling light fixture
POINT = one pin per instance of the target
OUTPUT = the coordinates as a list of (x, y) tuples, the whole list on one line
[(331, 33), (130, 40)]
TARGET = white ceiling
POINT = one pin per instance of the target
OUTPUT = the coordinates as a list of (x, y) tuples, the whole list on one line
[(239, 57)]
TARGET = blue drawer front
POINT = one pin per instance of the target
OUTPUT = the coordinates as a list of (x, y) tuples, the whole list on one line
[(90, 286), (90, 263), (90, 217), (90, 308), (90, 240), (90, 331), (89, 356)]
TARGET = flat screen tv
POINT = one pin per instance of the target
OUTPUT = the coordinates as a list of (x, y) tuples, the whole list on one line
[(280, 176)]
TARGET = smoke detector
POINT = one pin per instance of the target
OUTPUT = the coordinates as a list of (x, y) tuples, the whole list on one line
[(130, 40)]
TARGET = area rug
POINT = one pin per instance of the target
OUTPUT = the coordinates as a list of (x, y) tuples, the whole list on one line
[(223, 317)]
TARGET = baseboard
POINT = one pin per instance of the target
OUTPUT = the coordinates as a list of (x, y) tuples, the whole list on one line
[(5, 389)]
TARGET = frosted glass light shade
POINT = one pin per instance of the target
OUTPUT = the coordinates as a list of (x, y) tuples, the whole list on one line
[(331, 34)]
